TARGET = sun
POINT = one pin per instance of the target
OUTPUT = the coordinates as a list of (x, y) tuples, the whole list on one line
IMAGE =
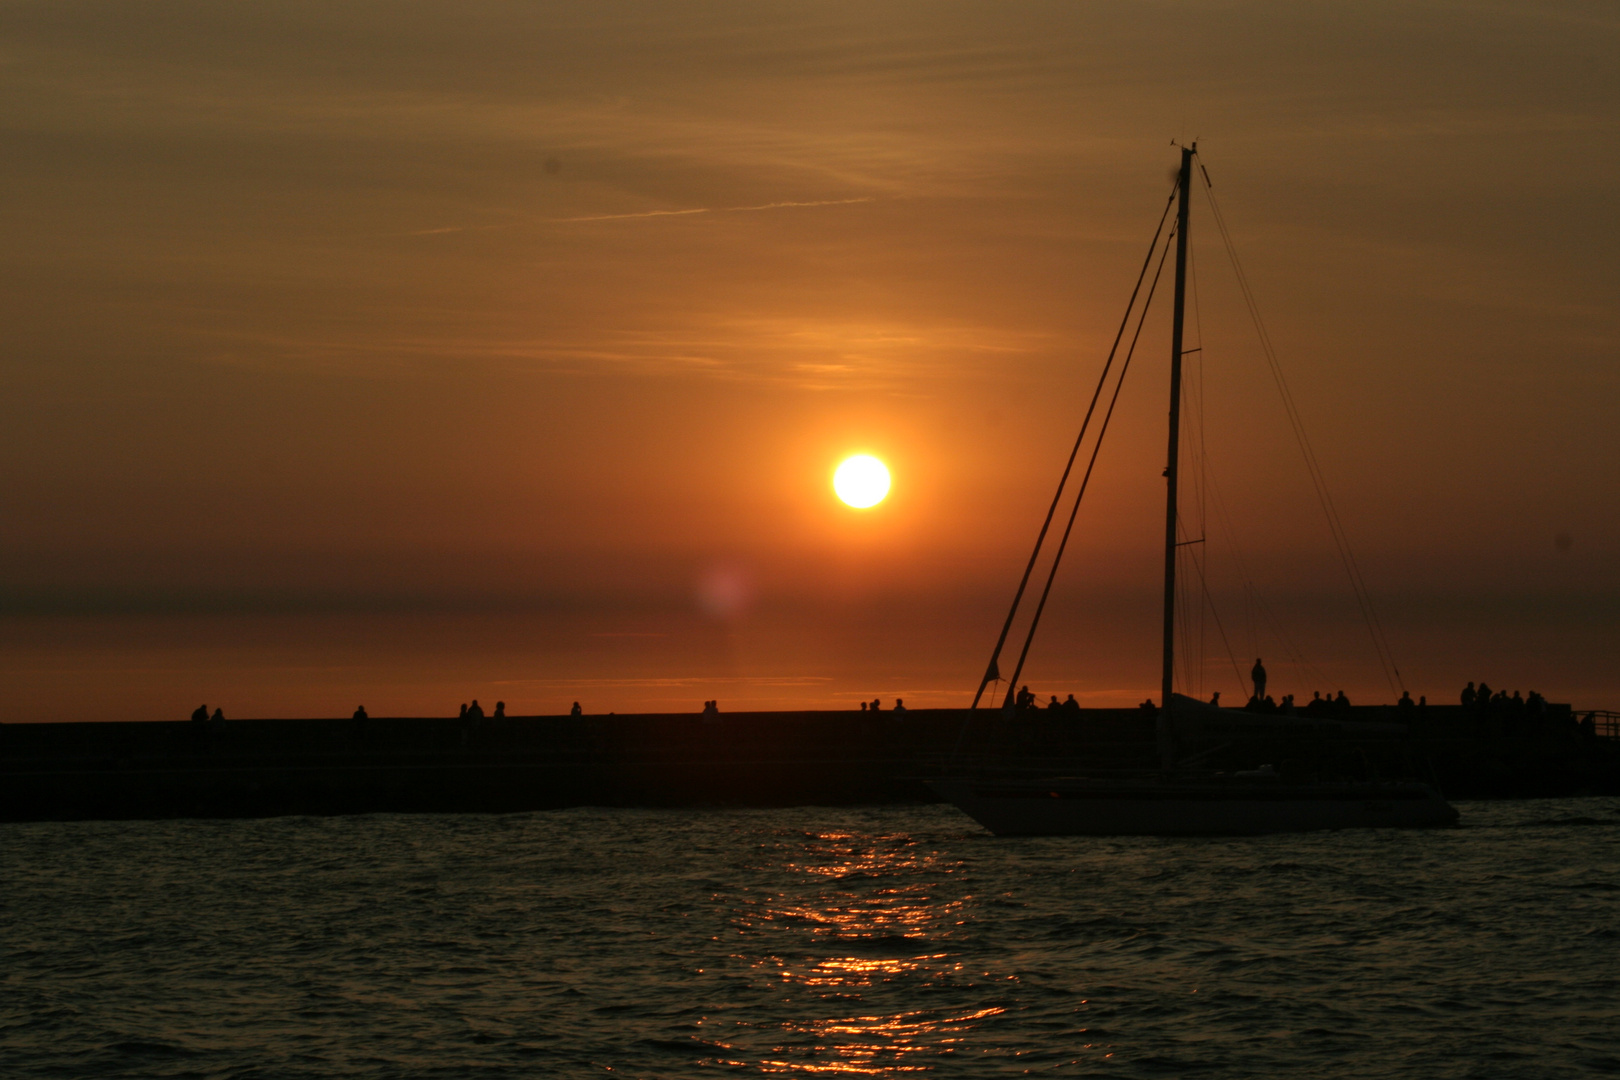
[(861, 481)]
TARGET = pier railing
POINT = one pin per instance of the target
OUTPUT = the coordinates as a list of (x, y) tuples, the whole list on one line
[(1606, 722)]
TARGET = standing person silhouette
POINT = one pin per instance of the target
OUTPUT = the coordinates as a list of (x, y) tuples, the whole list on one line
[(1258, 674)]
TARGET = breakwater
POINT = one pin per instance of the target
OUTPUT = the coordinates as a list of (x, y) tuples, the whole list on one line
[(252, 768)]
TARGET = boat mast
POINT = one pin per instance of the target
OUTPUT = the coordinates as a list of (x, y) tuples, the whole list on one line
[(1184, 189)]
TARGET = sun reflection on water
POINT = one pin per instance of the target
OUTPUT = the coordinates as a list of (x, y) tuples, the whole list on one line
[(869, 920)]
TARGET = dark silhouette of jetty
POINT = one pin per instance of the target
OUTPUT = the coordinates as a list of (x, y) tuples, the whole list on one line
[(498, 764)]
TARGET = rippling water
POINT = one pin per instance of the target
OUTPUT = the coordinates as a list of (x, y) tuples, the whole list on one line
[(806, 941)]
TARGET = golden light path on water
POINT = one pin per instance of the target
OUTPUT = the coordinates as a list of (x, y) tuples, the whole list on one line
[(900, 922)]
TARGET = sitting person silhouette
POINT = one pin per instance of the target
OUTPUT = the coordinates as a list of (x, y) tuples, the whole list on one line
[(877, 704), (712, 708), (200, 713), (899, 704), (1070, 705), (576, 710), (219, 714), (475, 711), (359, 713), (500, 710)]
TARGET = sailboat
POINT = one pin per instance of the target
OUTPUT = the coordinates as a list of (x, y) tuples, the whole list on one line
[(1177, 801)]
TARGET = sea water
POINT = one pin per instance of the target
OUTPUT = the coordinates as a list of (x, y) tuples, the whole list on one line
[(804, 942)]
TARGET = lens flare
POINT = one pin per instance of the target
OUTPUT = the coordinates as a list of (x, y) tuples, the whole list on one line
[(861, 481)]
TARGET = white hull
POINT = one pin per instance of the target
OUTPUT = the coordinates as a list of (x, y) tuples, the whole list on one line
[(1110, 808)]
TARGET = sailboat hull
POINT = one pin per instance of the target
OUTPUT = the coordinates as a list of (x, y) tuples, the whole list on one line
[(1106, 808)]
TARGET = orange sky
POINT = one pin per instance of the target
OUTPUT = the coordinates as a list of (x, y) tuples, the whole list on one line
[(409, 354)]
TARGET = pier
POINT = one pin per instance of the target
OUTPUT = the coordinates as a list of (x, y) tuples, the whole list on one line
[(249, 768)]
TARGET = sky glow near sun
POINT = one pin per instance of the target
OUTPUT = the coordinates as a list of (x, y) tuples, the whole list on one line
[(861, 481)]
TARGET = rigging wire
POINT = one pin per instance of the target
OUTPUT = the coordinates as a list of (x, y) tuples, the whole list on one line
[(1254, 599), (993, 672), (1085, 480), (1341, 540)]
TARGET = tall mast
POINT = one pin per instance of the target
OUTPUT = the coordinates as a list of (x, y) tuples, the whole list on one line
[(1184, 189)]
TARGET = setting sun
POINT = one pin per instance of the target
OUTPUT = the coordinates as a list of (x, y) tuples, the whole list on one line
[(861, 481)]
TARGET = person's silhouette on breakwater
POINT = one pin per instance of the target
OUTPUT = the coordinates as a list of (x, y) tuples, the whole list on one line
[(576, 710), (712, 708), (1148, 706), (1025, 698), (219, 714), (899, 704), (1216, 700), (1258, 674), (877, 705), (1468, 696), (1071, 705), (1406, 704), (1053, 704), (200, 713), (359, 713), (500, 710), (463, 715), (475, 711), (863, 706)]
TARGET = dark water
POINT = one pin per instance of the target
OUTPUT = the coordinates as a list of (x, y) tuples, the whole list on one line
[(804, 942)]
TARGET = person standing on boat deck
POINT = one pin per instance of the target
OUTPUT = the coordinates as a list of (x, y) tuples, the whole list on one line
[(1258, 674)]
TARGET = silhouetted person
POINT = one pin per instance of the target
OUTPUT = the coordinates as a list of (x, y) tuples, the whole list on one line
[(1341, 704), (200, 713), (877, 705), (863, 706), (712, 708), (1405, 704), (359, 713), (1288, 705), (576, 710), (1468, 696), (1026, 699), (1148, 706), (475, 711), (500, 710), (1216, 700), (1258, 674), (1070, 705), (219, 714), (1053, 704), (899, 704), (1482, 700), (463, 710)]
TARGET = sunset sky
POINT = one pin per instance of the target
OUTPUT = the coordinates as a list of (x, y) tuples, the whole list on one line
[(410, 353)]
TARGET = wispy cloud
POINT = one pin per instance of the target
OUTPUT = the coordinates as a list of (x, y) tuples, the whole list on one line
[(714, 210)]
